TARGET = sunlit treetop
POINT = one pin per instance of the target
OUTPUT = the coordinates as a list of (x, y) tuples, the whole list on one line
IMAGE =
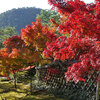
[(69, 6), (37, 35), (79, 17)]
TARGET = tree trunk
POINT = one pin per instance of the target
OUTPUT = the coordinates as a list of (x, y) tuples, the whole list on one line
[(30, 80), (31, 85), (37, 72), (15, 85)]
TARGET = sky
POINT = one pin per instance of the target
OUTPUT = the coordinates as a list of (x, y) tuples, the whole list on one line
[(10, 4)]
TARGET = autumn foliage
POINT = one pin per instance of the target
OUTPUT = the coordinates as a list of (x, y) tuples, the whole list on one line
[(37, 35), (82, 26), (26, 49), (79, 40)]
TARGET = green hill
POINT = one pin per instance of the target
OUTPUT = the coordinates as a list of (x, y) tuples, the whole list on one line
[(19, 18)]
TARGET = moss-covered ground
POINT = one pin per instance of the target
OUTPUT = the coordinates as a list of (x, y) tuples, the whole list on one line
[(8, 92)]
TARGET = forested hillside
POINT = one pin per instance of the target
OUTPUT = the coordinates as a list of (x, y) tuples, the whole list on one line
[(19, 18)]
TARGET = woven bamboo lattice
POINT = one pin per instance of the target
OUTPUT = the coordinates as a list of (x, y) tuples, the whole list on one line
[(60, 87)]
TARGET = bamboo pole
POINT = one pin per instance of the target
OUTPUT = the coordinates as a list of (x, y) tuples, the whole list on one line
[(97, 90)]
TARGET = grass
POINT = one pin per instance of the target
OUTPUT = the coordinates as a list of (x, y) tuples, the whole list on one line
[(8, 92)]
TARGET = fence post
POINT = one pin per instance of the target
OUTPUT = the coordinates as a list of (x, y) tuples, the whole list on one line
[(97, 90)]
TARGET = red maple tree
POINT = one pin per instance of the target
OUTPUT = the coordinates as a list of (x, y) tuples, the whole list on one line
[(80, 40)]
